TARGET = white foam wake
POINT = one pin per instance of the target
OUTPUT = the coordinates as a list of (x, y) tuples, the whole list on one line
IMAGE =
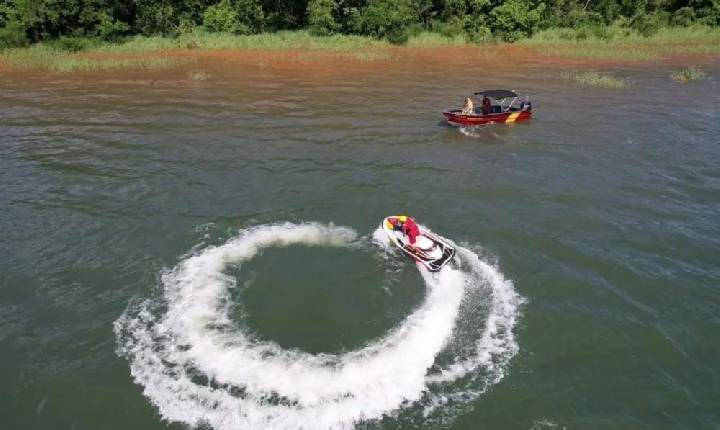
[(199, 368)]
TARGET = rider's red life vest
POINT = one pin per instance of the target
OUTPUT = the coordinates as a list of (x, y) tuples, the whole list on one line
[(411, 230)]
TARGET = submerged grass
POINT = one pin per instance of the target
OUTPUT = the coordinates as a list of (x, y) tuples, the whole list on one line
[(614, 43), (198, 76), (687, 74), (595, 79)]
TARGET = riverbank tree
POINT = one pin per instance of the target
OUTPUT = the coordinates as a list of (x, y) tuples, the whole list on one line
[(68, 22)]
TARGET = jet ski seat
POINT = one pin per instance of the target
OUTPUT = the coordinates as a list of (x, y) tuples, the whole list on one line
[(424, 243)]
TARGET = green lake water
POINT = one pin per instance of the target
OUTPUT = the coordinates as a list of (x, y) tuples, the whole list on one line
[(206, 254)]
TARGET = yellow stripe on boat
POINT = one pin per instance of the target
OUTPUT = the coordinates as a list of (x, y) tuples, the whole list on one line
[(513, 116)]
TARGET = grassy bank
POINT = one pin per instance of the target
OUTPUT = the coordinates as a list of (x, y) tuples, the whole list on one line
[(282, 40), (43, 58), (620, 44), (141, 52), (605, 44)]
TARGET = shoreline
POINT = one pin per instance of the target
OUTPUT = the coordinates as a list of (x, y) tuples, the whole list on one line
[(299, 49)]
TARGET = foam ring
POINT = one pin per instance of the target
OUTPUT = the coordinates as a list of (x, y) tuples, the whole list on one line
[(199, 368)]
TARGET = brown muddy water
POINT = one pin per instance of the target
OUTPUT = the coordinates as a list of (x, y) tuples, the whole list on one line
[(204, 253)]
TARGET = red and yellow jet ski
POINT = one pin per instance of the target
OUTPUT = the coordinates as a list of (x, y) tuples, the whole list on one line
[(430, 250)]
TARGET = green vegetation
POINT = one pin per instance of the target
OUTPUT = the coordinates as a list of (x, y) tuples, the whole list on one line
[(51, 57), (617, 43), (595, 79), (73, 35), (67, 54), (24, 22), (321, 20), (239, 17), (281, 40), (140, 52), (428, 39), (688, 74)]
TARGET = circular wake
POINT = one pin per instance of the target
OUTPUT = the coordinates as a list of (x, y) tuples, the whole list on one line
[(200, 368)]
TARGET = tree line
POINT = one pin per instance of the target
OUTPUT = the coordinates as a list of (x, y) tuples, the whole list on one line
[(29, 21)]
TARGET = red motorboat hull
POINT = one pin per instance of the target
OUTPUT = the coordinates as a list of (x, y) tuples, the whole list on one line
[(456, 118)]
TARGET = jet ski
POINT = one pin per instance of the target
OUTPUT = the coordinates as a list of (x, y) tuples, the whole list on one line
[(429, 250)]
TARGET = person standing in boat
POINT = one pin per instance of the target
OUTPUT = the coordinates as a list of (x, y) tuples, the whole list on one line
[(486, 105), (468, 108)]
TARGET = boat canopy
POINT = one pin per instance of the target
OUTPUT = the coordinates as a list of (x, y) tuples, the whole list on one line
[(497, 94)]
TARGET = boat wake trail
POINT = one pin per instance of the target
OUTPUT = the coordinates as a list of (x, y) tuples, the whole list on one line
[(199, 367), (476, 132), (480, 132)]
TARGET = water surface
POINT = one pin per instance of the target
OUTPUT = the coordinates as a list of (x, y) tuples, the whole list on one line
[(603, 211)]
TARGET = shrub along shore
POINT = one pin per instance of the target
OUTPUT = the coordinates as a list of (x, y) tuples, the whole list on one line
[(25, 22), (594, 44), (74, 34), (615, 43)]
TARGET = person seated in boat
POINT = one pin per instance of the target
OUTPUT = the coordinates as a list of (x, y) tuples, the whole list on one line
[(411, 230), (468, 108), (408, 226), (486, 105)]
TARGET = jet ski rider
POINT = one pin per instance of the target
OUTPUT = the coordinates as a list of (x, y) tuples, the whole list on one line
[(407, 225)]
